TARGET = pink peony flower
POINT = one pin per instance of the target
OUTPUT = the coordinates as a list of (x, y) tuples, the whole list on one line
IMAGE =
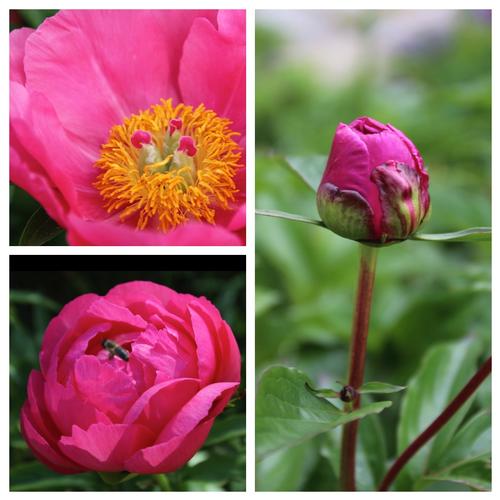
[(131, 381), (375, 185), (128, 127)]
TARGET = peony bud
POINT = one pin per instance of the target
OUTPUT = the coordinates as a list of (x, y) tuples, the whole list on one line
[(375, 186)]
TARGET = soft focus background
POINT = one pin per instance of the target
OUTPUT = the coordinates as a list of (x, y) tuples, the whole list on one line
[(37, 296), (429, 74)]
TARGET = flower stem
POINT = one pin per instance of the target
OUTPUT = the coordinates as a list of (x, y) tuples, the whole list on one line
[(163, 482), (437, 424), (359, 337)]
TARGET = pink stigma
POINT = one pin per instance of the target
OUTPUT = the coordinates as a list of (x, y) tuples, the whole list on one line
[(140, 137), (186, 145), (174, 124)]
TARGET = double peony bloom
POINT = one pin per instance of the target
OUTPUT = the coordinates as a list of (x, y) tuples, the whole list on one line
[(131, 381), (128, 127)]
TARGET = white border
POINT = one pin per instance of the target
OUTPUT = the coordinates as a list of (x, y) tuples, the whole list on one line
[(250, 5)]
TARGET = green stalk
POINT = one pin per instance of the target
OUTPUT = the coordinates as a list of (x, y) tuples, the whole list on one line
[(163, 482), (359, 337)]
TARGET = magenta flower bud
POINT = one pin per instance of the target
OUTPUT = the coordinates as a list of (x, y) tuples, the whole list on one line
[(375, 186)]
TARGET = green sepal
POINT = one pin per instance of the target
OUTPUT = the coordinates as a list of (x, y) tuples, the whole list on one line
[(346, 213), (380, 388)]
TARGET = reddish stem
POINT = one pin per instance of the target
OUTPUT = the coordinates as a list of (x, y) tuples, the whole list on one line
[(437, 424), (359, 337)]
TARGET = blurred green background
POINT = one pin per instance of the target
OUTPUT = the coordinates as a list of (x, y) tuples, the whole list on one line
[(429, 74), (37, 296)]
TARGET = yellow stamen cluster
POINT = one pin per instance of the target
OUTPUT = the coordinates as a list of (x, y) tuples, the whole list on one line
[(153, 195)]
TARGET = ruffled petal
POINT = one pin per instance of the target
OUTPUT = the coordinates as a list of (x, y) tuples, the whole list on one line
[(135, 293), (17, 43), (217, 351), (207, 403), (42, 449), (170, 456), (108, 389), (67, 408), (185, 433), (98, 66), (59, 326), (68, 166), (161, 402), (105, 448), (28, 174), (213, 68)]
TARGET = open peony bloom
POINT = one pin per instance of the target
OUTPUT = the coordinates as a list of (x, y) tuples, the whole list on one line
[(131, 381), (128, 127), (375, 186)]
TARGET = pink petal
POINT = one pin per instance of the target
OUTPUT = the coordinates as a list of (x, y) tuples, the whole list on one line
[(68, 166), (105, 448), (213, 69), (27, 173), (137, 292), (184, 434), (231, 24), (42, 449), (109, 390), (59, 326), (230, 364), (207, 348), (75, 344), (68, 408), (170, 456), (207, 403), (17, 42), (36, 409), (107, 233), (160, 403), (106, 310), (99, 66), (218, 353)]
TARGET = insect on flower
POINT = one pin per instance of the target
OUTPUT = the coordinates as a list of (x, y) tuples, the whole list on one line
[(115, 349)]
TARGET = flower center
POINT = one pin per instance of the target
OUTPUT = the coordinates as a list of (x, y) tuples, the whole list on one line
[(167, 165)]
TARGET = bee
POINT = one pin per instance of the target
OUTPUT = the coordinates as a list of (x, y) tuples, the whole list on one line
[(115, 349)]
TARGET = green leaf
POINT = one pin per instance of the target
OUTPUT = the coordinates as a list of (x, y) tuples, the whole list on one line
[(227, 428), (265, 300), (35, 17), (471, 234), (476, 475), (287, 469), (471, 442), (371, 453), (116, 477), (33, 298), (470, 445), (34, 476), (326, 393), (39, 229), (309, 168), (287, 216), (287, 413), (379, 388), (467, 459), (444, 371)]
